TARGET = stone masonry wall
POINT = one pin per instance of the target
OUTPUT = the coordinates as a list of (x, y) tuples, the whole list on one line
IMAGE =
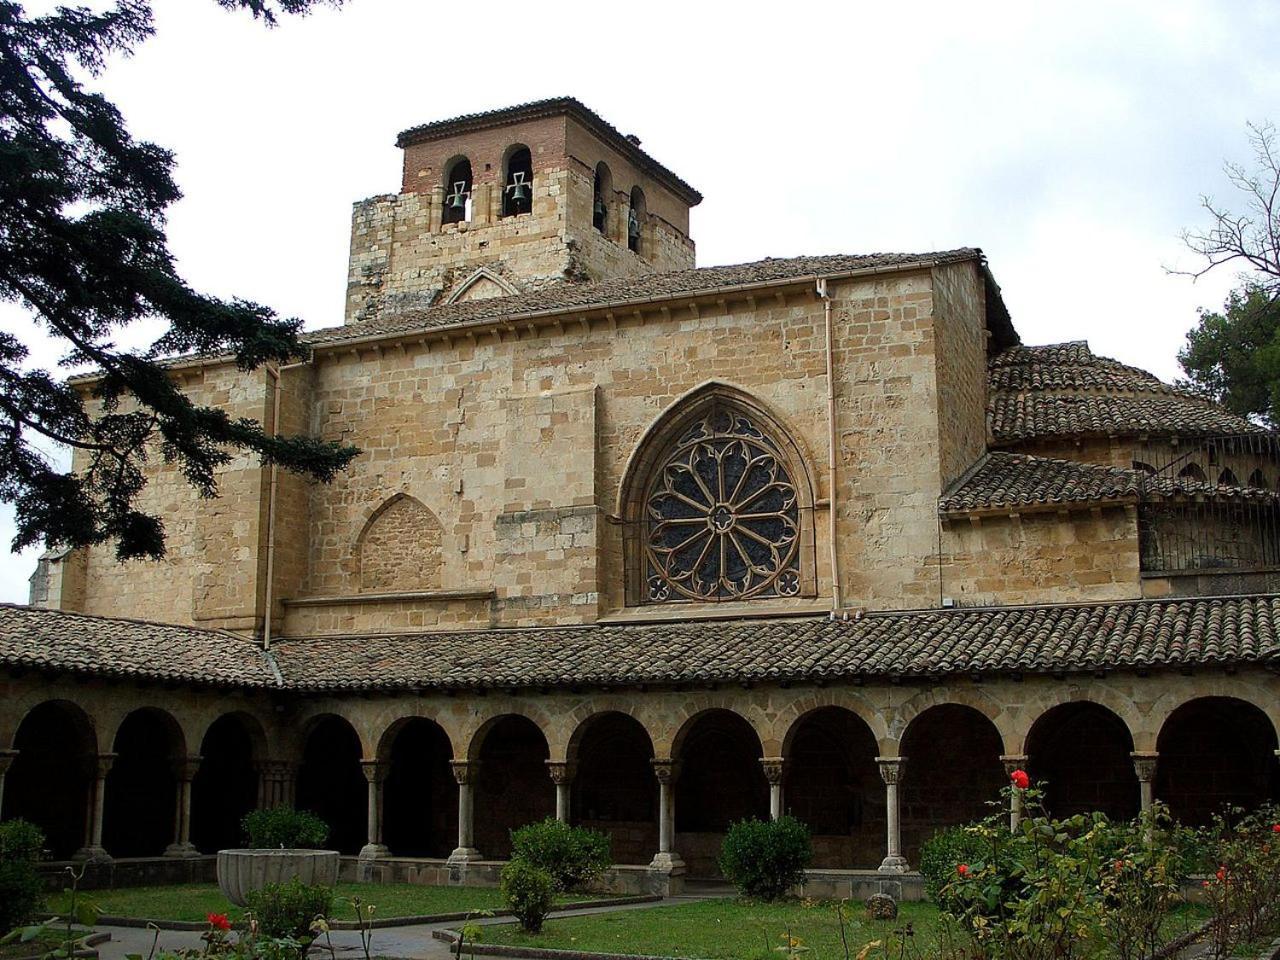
[(400, 548), (961, 340)]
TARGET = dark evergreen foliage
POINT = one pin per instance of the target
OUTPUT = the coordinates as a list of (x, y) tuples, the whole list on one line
[(83, 252)]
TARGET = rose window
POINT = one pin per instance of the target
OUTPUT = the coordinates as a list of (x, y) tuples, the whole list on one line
[(722, 516)]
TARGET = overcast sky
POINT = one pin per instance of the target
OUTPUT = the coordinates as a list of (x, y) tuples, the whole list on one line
[(1070, 144)]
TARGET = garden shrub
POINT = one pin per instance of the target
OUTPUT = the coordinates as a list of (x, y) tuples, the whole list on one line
[(21, 890), (528, 891), (940, 855), (286, 910), (284, 828), (766, 858), (1140, 880), (572, 856)]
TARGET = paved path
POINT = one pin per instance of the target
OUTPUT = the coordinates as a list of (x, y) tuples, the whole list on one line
[(413, 942)]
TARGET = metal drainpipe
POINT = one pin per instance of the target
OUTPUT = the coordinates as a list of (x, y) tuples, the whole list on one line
[(821, 288), (274, 373)]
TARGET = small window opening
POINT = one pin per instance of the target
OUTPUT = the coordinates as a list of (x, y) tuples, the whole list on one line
[(1193, 471), (1258, 479), (1146, 468), (457, 193), (517, 193), (1227, 478)]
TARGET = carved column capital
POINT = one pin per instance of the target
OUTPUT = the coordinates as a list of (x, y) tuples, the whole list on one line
[(185, 768), (6, 760), (375, 771), (104, 762), (1013, 761), (466, 772), (562, 771), (666, 770), (891, 769), (1144, 764), (773, 769)]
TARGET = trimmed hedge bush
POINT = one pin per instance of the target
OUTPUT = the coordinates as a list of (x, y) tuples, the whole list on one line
[(21, 892), (766, 858), (528, 891), (284, 828), (571, 856), (941, 854), (287, 909)]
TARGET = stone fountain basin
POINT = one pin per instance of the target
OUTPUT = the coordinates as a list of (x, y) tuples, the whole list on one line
[(240, 872)]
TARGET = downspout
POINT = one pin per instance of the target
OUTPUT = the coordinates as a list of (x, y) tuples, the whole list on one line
[(274, 372), (821, 289)]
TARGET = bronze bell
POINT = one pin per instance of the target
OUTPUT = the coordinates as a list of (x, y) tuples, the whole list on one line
[(458, 199), (518, 188), (633, 225), (598, 209)]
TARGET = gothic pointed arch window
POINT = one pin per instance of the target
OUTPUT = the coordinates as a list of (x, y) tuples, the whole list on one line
[(720, 506)]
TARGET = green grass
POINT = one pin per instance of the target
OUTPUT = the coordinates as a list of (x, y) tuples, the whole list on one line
[(45, 942), (193, 901), (743, 930)]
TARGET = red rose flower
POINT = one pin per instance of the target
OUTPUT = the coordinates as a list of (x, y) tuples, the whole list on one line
[(1020, 779), (218, 921), (1222, 873), (962, 869), (1204, 883), (1119, 866), (1275, 828)]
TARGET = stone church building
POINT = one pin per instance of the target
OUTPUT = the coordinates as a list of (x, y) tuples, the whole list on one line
[(652, 548)]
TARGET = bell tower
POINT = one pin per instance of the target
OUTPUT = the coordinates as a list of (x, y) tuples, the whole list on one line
[(499, 203)]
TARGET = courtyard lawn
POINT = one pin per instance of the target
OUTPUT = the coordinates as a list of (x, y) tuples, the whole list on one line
[(745, 930), (193, 901)]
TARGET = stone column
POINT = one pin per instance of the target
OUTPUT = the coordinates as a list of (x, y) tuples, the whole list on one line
[(6, 761), (562, 776), (666, 859), (375, 773), (184, 771), (891, 770), (773, 767), (1012, 762), (1144, 765), (276, 783), (466, 772), (93, 849)]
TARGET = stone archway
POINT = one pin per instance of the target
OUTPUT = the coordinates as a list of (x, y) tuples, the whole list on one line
[(331, 783), (51, 778), (1216, 752), (614, 787), (420, 795), (952, 772), (142, 785), (514, 786), (720, 781), (1081, 753), (832, 783), (225, 787)]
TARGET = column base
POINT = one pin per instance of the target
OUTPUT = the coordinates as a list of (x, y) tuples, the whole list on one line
[(667, 863), (92, 855), (894, 865), (464, 855), (374, 851), (187, 849)]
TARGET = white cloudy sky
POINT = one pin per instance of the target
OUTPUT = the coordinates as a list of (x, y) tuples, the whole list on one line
[(1069, 141)]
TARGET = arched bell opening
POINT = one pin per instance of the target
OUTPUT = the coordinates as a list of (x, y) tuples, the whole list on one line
[(458, 189), (1216, 753), (614, 787), (420, 795), (637, 217), (601, 195), (514, 786), (517, 182), (832, 783), (225, 786), (331, 783), (53, 774), (720, 781), (952, 774), (1081, 754), (141, 790)]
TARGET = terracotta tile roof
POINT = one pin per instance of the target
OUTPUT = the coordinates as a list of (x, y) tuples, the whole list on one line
[(602, 294), (1015, 480), (556, 106), (1137, 634), (103, 646), (1065, 390)]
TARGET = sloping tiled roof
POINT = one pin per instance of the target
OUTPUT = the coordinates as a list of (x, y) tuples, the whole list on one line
[(556, 106), (1015, 480), (74, 643), (1045, 639), (620, 291), (1065, 390)]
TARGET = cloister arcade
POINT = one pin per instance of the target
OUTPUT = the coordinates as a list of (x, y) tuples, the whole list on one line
[(872, 772)]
